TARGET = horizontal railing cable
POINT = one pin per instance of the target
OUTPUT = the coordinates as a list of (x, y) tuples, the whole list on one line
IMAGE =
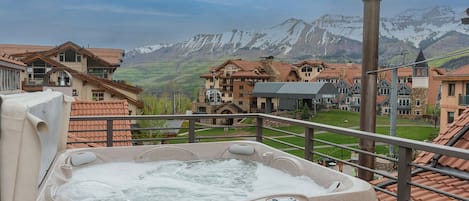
[(356, 150), (356, 165)]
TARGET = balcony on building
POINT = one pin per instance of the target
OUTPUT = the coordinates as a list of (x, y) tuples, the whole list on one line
[(463, 100)]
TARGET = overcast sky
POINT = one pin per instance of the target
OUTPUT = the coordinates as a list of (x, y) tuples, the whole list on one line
[(132, 23)]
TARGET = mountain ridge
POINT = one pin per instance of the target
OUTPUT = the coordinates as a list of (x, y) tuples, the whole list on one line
[(335, 37)]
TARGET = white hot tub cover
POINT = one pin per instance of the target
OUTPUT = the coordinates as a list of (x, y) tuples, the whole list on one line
[(33, 128)]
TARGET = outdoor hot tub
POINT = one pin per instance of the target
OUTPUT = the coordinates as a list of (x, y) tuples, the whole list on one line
[(247, 171), (36, 166)]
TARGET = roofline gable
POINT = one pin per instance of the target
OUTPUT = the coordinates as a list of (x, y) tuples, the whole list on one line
[(77, 48)]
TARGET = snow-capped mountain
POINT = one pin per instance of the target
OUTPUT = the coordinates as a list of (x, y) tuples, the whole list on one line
[(147, 49), (330, 36)]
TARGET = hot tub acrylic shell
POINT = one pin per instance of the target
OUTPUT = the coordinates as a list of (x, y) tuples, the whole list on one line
[(350, 189)]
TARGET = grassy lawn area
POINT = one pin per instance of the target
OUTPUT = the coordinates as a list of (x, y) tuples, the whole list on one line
[(410, 129), (337, 152), (351, 119)]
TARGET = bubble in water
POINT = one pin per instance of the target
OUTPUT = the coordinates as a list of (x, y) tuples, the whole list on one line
[(88, 191), (227, 179)]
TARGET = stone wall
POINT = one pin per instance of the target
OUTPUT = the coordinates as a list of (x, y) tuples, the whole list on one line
[(421, 95)]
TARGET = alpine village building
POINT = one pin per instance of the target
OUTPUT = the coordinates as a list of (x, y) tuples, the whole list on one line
[(234, 81), (418, 89), (84, 73), (455, 95), (10, 74)]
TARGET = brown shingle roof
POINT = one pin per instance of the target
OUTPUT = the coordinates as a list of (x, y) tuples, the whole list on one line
[(105, 84), (247, 65), (112, 56), (309, 62), (284, 69), (348, 72), (99, 108), (242, 64), (248, 74), (9, 59), (247, 69), (19, 49)]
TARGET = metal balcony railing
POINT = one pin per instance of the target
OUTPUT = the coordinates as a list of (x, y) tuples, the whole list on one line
[(403, 107), (404, 161), (463, 100)]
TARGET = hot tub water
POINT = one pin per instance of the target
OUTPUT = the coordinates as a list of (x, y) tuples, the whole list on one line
[(227, 179)]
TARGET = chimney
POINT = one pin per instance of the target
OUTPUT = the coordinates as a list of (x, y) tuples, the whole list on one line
[(267, 60), (267, 65)]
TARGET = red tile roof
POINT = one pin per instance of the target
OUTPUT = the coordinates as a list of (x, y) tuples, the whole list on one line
[(401, 72), (434, 180), (445, 136), (380, 99), (99, 108), (461, 73), (456, 131)]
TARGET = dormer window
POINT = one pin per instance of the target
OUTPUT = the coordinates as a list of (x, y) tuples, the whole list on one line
[(69, 56), (307, 69), (229, 70)]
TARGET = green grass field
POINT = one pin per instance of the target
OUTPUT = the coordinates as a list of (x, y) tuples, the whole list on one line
[(440, 62), (409, 129), (154, 76)]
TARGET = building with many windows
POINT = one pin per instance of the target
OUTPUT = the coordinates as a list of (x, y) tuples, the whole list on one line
[(309, 69), (417, 89), (84, 73), (228, 87), (232, 82), (454, 94)]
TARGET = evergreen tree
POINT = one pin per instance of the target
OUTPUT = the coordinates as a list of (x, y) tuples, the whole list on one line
[(305, 113)]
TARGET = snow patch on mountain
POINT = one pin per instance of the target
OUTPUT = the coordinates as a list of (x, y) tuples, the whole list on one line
[(149, 48), (327, 33)]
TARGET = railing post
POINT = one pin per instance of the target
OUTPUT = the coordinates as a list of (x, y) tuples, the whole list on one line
[(404, 174), (109, 130), (191, 130), (309, 134), (259, 126)]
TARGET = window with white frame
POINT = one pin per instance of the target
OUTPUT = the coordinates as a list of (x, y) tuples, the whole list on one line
[(101, 72), (97, 95), (38, 69), (230, 69), (69, 56), (307, 69), (9, 79)]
